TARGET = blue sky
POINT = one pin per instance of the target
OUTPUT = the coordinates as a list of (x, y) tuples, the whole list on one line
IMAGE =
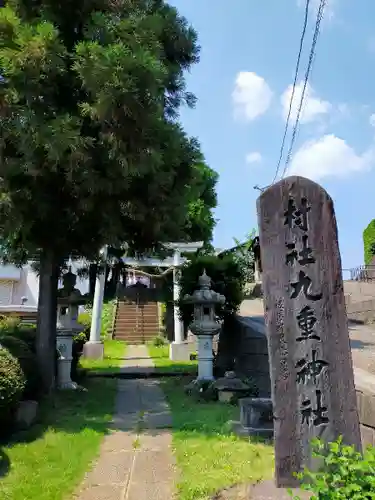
[(249, 51)]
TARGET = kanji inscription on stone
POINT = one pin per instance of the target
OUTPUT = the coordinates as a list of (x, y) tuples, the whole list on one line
[(308, 342)]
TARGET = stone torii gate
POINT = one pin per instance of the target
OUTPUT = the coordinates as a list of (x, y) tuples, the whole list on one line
[(94, 348)]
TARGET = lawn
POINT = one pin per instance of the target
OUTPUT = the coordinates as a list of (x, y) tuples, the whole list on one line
[(208, 455), (114, 353), (160, 357), (49, 461)]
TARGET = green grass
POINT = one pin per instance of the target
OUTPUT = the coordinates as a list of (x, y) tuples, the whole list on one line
[(114, 352), (49, 461), (208, 455), (160, 357)]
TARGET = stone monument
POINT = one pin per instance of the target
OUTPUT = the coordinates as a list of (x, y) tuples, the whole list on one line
[(205, 324), (69, 299), (309, 351)]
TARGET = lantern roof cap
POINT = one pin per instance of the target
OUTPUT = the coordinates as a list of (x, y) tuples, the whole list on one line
[(204, 281), (204, 294)]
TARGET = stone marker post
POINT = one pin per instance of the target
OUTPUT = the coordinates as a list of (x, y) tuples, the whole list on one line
[(308, 342)]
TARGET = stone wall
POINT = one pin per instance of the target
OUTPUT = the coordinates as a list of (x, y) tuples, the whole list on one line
[(363, 312), (251, 360), (366, 410), (251, 354)]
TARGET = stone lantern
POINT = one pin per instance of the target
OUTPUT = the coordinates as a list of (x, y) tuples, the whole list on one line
[(69, 299), (205, 324)]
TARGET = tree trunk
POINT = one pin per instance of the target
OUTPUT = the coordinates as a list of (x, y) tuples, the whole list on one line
[(46, 324)]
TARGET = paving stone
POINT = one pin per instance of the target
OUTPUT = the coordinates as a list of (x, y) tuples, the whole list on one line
[(111, 468), (160, 420), (118, 441), (153, 465), (266, 490), (126, 422), (135, 463), (103, 492), (146, 490), (155, 442)]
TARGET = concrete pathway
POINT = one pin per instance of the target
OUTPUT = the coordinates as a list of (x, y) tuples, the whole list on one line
[(136, 461)]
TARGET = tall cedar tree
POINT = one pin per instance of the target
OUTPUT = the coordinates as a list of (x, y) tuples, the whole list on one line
[(91, 150)]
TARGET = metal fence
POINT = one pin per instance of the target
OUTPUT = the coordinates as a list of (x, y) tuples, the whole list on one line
[(360, 273)]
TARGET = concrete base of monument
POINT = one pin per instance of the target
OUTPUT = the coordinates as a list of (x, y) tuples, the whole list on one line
[(264, 431), (264, 490), (181, 352), (93, 350)]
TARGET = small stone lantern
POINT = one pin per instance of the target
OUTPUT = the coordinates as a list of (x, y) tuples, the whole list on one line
[(69, 299), (230, 388), (205, 325)]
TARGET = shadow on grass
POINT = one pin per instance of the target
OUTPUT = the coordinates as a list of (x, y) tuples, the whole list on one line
[(206, 418), (78, 413), (133, 372), (4, 463), (210, 456)]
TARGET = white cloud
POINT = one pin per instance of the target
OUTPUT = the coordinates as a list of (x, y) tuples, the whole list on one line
[(329, 156), (254, 157), (313, 107), (251, 96), (372, 120)]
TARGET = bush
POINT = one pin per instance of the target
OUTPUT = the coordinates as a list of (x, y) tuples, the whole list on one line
[(345, 473), (79, 341), (26, 333), (12, 327), (9, 324), (158, 341), (227, 278), (27, 360), (369, 242), (85, 320), (107, 316), (12, 386)]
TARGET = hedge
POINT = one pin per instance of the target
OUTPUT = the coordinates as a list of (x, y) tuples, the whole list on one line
[(12, 386), (27, 360), (369, 242)]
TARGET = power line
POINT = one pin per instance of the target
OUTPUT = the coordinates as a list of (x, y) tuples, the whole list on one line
[(293, 88), (307, 74)]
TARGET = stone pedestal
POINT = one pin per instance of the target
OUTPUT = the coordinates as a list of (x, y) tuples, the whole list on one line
[(64, 343), (69, 299), (93, 350), (230, 388), (256, 418), (205, 357)]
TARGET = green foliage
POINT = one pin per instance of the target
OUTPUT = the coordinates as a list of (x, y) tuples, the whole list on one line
[(11, 326), (12, 386), (345, 473), (89, 100), (27, 360), (202, 391), (200, 221), (158, 341), (244, 255), (369, 242), (227, 278), (107, 317)]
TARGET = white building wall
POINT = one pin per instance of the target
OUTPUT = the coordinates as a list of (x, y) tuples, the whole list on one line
[(11, 292)]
